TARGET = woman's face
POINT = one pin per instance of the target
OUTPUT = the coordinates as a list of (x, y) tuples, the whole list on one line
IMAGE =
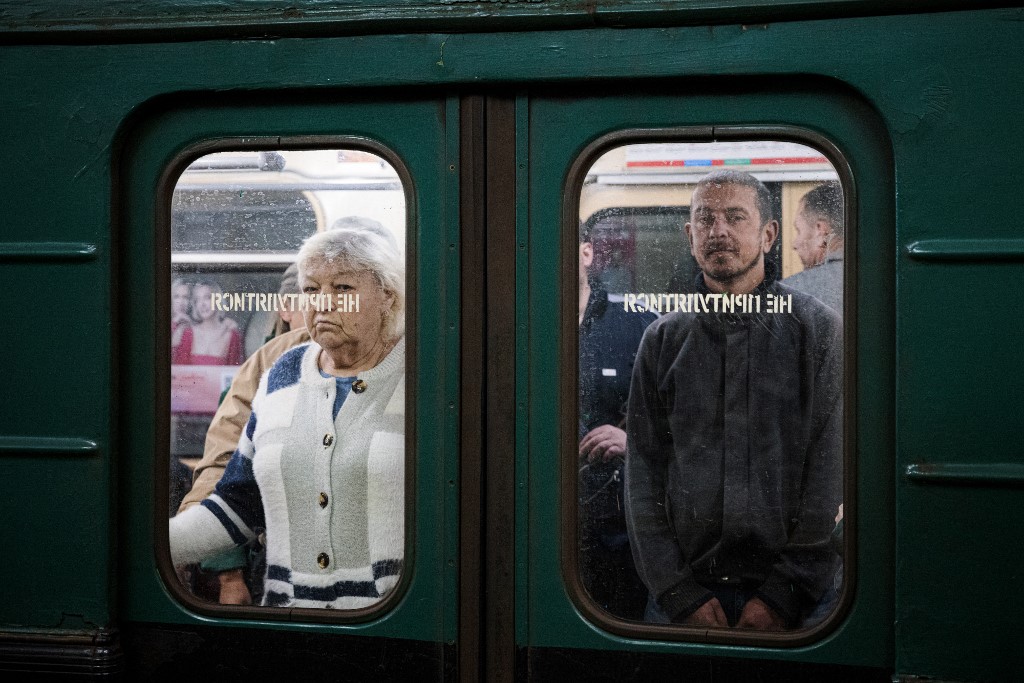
[(201, 307), (180, 297), (339, 327)]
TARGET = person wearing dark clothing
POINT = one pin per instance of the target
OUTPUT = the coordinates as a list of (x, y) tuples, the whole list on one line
[(608, 340), (734, 441), (180, 480), (733, 469)]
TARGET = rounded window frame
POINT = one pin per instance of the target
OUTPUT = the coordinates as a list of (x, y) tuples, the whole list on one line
[(569, 400), (169, 177)]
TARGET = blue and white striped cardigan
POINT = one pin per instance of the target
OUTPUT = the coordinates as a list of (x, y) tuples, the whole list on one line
[(329, 492)]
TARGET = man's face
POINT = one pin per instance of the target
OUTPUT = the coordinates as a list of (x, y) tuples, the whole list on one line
[(726, 233), (586, 260), (809, 243)]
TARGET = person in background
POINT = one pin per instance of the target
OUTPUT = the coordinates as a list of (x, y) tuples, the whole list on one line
[(608, 340), (233, 578), (820, 231), (320, 464), (734, 456), (287, 319), (819, 227), (233, 412), (213, 338)]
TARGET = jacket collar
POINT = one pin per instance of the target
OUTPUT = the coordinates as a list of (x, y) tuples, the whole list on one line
[(395, 360)]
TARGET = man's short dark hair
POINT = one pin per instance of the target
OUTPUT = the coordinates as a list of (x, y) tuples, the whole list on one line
[(762, 196), (826, 202), (586, 230)]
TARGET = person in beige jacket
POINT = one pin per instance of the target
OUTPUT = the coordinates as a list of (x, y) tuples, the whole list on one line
[(230, 418), (222, 439)]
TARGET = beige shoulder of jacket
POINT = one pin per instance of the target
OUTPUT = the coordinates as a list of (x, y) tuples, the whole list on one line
[(229, 420)]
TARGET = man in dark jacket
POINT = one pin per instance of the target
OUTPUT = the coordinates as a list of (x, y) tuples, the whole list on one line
[(608, 341), (733, 470)]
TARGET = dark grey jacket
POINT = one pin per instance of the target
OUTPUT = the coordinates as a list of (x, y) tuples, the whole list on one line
[(734, 461)]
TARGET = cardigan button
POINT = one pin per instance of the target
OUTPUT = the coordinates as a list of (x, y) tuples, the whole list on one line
[(323, 499), (323, 560), (328, 439), (359, 386)]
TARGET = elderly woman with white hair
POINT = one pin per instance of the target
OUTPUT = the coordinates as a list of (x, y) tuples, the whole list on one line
[(320, 464)]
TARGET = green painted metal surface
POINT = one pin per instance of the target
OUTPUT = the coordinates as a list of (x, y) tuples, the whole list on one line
[(924, 106), (415, 130), (43, 21), (562, 125)]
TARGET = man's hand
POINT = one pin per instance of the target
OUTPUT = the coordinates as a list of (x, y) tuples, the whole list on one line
[(760, 617), (603, 443), (233, 590), (708, 614)]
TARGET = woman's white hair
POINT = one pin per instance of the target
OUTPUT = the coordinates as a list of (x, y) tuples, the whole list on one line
[(356, 248)]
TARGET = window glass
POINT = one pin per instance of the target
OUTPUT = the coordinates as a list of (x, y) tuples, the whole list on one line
[(711, 384), (287, 363)]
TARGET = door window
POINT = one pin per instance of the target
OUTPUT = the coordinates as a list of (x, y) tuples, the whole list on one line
[(710, 415), (287, 378)]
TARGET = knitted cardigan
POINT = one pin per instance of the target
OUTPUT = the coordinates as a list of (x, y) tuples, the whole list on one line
[(329, 492)]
